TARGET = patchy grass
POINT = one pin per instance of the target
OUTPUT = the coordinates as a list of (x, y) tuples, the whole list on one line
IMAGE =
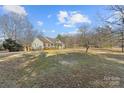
[(63, 69), (80, 70)]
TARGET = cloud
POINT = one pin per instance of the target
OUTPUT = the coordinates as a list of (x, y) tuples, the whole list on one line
[(44, 30), (79, 18), (70, 19), (71, 32), (67, 25), (62, 16), (53, 31), (49, 16), (74, 32), (39, 23), (15, 9), (115, 17)]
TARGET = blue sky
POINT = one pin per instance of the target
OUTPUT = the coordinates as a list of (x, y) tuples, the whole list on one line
[(53, 20)]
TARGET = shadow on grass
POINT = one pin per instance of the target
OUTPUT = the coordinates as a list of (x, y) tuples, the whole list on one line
[(116, 56), (110, 50), (61, 70), (88, 70)]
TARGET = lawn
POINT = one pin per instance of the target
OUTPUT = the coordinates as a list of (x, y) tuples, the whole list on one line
[(63, 68)]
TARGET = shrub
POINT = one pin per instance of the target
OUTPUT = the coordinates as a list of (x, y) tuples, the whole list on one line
[(12, 45), (1, 47)]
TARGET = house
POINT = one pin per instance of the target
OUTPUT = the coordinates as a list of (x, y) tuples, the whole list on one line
[(59, 44), (40, 43)]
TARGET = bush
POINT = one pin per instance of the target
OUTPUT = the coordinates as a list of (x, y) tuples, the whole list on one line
[(12, 45)]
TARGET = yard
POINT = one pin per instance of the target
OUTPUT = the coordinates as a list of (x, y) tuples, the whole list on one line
[(63, 68)]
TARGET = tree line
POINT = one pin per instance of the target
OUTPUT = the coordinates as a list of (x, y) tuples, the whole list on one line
[(110, 34)]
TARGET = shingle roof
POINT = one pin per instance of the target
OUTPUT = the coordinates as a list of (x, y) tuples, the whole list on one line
[(50, 40), (46, 40)]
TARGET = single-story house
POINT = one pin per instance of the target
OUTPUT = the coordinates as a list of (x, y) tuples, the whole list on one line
[(46, 43)]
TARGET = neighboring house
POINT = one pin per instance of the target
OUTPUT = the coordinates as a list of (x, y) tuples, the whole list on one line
[(46, 43), (59, 44)]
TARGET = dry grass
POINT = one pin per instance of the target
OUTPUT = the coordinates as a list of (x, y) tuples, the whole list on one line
[(63, 68)]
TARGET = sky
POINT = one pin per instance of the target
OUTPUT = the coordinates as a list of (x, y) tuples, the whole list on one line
[(55, 19)]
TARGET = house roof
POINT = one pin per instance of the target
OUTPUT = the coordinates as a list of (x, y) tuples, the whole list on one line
[(54, 40), (50, 40), (45, 40)]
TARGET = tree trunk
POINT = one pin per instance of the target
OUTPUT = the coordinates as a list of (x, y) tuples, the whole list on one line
[(87, 48)]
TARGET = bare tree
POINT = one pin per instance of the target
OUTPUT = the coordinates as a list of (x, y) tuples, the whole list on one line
[(17, 28), (84, 39), (103, 36), (117, 18)]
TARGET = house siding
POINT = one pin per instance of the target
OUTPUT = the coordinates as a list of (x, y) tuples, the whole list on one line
[(37, 44), (43, 44)]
